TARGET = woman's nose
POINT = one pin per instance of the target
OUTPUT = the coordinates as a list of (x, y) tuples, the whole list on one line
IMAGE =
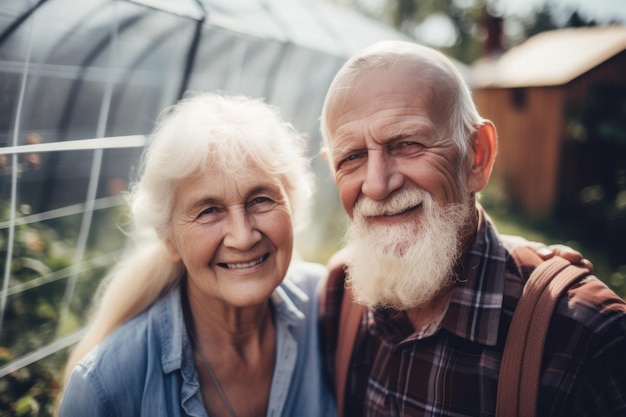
[(241, 231)]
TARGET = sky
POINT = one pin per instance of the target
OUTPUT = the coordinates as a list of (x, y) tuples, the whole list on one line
[(438, 30), (602, 11)]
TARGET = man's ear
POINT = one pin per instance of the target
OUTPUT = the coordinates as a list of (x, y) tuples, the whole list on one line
[(326, 155), (484, 149)]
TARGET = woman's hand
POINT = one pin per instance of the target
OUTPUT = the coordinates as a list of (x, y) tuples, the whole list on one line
[(575, 257), (546, 252)]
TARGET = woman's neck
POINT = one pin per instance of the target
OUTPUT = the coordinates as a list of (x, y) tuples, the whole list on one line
[(218, 325), (239, 346)]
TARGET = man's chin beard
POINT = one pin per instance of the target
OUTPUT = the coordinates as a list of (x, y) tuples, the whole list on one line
[(404, 266)]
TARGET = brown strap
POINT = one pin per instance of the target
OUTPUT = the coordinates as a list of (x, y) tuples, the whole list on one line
[(350, 318), (518, 386)]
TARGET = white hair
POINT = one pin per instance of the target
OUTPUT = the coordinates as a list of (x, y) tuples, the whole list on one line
[(403, 266), (463, 115)]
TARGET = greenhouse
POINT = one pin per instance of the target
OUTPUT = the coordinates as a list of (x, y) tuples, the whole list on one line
[(83, 83)]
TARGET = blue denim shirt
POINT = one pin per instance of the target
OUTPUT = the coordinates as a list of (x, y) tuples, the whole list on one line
[(146, 367)]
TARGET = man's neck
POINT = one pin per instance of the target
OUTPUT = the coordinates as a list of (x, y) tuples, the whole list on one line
[(424, 315)]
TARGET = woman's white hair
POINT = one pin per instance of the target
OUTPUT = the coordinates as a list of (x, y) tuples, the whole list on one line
[(201, 131), (230, 133)]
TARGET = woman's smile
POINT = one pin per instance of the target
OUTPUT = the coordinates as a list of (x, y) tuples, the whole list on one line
[(242, 265)]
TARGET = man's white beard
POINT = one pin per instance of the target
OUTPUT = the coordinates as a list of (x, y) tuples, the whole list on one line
[(404, 265)]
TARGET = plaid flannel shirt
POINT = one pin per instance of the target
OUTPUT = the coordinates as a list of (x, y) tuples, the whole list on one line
[(454, 372)]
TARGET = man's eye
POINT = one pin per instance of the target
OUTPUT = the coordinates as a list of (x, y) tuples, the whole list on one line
[(402, 147), (349, 158)]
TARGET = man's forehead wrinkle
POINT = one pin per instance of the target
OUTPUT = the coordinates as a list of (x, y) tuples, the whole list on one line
[(387, 128), (395, 131), (402, 126), (343, 146)]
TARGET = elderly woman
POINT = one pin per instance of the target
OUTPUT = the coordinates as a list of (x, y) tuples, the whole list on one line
[(228, 325)]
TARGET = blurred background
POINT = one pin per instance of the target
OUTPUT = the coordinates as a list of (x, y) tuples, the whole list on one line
[(83, 81)]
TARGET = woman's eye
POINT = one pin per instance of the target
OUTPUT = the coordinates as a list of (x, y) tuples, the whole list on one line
[(261, 203), (208, 211), (261, 200)]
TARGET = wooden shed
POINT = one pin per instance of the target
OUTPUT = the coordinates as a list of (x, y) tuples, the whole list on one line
[(558, 101)]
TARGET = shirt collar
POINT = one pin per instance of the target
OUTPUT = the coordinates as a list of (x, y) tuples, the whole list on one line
[(476, 305), (169, 324), (285, 300)]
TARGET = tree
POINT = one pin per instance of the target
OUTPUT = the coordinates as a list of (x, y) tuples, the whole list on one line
[(475, 23)]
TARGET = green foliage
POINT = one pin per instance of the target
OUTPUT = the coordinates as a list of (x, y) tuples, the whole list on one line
[(31, 315), (35, 315), (469, 18), (607, 265), (31, 391), (603, 112)]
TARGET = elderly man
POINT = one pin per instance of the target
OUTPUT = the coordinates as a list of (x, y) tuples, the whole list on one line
[(409, 153)]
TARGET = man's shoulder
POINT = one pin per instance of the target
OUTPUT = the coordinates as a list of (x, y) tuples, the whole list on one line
[(588, 301), (336, 267), (593, 304), (587, 297), (332, 287)]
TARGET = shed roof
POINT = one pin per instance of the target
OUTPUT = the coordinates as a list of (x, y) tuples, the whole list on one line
[(551, 58)]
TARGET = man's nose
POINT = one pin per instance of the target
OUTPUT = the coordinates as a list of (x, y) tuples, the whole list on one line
[(382, 177)]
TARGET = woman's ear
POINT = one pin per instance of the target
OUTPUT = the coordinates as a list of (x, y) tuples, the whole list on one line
[(172, 251), (484, 149)]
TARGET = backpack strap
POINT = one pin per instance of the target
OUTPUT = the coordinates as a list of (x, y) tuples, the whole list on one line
[(350, 315), (518, 385), (350, 318)]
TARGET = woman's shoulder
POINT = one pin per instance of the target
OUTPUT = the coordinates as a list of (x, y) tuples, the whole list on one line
[(305, 275), (127, 348), (109, 374), (297, 295), (123, 349), (302, 280), (135, 358)]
